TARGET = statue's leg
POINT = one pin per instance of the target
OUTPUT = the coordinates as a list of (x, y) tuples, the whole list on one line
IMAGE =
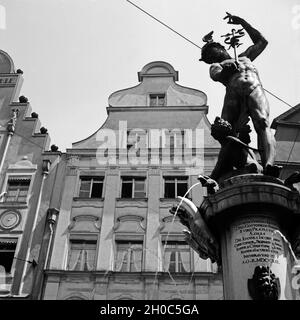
[(224, 163), (251, 164), (231, 108), (230, 113), (259, 112)]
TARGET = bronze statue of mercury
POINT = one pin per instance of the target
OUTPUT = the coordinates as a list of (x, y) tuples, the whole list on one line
[(245, 96)]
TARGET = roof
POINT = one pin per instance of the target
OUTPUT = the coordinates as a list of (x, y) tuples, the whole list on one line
[(158, 69), (182, 107), (290, 117)]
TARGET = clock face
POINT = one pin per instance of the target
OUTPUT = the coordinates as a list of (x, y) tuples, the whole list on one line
[(9, 219)]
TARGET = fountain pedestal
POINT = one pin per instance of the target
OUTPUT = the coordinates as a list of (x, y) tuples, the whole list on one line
[(252, 216)]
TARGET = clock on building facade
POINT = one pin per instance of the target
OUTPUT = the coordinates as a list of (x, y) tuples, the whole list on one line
[(9, 219)]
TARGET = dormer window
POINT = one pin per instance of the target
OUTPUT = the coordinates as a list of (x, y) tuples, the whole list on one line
[(157, 100)]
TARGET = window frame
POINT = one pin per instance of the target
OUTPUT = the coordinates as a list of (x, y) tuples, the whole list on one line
[(157, 95), (14, 175), (176, 178), (135, 136), (133, 180), (131, 240), (83, 238), (173, 139), (177, 251), (18, 239), (92, 178), (18, 189)]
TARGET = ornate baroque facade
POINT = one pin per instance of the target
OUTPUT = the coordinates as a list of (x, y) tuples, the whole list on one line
[(115, 237)]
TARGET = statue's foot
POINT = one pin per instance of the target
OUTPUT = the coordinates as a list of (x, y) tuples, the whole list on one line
[(253, 167), (272, 170)]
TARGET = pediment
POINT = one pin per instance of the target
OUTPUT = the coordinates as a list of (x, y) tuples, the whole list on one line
[(23, 164)]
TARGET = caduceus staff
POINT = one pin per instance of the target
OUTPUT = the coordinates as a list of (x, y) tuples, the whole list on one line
[(233, 38)]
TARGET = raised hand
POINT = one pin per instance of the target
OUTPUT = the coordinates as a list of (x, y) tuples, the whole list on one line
[(233, 19)]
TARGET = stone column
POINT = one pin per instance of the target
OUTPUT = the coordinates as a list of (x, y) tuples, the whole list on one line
[(60, 244), (253, 216), (106, 253), (152, 236)]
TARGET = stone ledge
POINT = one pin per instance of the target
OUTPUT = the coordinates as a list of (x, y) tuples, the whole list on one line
[(251, 189)]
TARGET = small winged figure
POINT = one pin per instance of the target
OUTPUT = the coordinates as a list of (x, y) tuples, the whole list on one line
[(208, 38)]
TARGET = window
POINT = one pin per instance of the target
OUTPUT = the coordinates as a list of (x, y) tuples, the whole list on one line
[(157, 100), (133, 187), (137, 138), (82, 255), (129, 256), (174, 138), (7, 253), (177, 257), (175, 186), (17, 190), (91, 187)]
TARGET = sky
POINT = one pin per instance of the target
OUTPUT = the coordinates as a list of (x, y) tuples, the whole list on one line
[(75, 53)]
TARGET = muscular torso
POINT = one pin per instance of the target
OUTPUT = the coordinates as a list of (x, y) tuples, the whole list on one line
[(244, 79)]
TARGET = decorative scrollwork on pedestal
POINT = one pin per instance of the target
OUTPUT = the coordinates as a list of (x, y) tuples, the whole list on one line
[(198, 235)]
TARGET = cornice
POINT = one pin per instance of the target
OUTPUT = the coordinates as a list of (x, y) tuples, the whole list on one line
[(182, 108)]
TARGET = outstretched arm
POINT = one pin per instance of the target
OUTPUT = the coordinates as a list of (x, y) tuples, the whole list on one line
[(259, 42)]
